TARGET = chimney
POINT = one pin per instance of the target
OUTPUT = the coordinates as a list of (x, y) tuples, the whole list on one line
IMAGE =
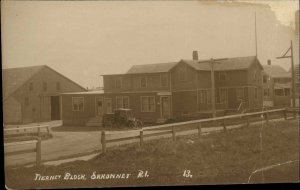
[(269, 62), (195, 55)]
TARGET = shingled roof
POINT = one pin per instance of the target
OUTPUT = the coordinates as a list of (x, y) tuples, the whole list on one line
[(236, 63), (151, 68), (275, 71), (14, 78)]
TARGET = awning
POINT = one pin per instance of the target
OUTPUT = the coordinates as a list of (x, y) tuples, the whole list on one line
[(282, 86)]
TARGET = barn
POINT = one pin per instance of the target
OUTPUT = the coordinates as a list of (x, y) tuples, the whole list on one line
[(32, 94)]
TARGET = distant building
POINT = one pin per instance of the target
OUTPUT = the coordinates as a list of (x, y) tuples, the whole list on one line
[(32, 94), (156, 92), (276, 86)]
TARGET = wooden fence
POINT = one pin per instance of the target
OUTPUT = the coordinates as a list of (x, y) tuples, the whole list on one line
[(172, 128), (36, 140), (37, 149)]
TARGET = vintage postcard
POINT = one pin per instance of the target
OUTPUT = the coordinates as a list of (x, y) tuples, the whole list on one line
[(149, 93)]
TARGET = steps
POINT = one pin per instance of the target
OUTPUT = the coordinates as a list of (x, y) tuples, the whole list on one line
[(94, 122)]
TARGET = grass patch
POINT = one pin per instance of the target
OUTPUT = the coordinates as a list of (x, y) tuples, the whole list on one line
[(219, 158)]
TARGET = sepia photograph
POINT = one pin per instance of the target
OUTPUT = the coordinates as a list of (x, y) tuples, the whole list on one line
[(99, 94)]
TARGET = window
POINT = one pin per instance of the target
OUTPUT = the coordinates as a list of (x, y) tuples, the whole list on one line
[(279, 92), (222, 76), (203, 96), (26, 101), (57, 86), (266, 92), (255, 93), (77, 103), (143, 82), (223, 95), (44, 86), (31, 86), (240, 93), (208, 96), (265, 79), (147, 104), (254, 75), (164, 80), (182, 74), (122, 102), (287, 92), (118, 82)]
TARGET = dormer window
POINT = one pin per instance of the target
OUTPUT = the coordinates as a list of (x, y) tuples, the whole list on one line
[(182, 74), (143, 82)]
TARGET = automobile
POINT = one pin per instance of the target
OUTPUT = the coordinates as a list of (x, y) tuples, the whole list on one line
[(121, 118)]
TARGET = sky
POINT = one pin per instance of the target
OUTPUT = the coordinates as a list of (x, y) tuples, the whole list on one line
[(86, 39)]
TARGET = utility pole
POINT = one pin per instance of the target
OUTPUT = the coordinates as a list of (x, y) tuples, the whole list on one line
[(212, 77), (293, 73)]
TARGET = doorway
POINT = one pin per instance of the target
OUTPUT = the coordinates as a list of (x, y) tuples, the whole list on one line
[(55, 108), (165, 107), (99, 106), (108, 105)]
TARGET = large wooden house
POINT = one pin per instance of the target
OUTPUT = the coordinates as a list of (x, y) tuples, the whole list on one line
[(32, 94), (276, 86), (156, 92)]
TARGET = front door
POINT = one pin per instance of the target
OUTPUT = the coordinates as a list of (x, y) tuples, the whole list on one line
[(165, 107), (108, 105), (99, 106)]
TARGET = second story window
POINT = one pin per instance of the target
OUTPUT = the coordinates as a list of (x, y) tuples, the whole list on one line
[(143, 82), (57, 86), (222, 76), (118, 82), (254, 75), (44, 86), (31, 86), (265, 79), (26, 101), (164, 80), (182, 74)]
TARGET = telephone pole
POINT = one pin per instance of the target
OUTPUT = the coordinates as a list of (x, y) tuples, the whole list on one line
[(293, 73), (212, 77)]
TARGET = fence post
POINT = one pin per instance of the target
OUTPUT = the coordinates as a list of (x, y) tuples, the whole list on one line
[(224, 125), (38, 152), (173, 133), (199, 129), (48, 130), (247, 121), (267, 117), (284, 114), (103, 142), (141, 138), (39, 131)]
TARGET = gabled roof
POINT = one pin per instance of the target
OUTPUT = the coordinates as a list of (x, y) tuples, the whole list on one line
[(275, 71), (14, 78), (235, 63), (151, 68)]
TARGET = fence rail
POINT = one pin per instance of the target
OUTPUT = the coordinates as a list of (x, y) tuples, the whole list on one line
[(172, 128), (18, 128), (37, 149)]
